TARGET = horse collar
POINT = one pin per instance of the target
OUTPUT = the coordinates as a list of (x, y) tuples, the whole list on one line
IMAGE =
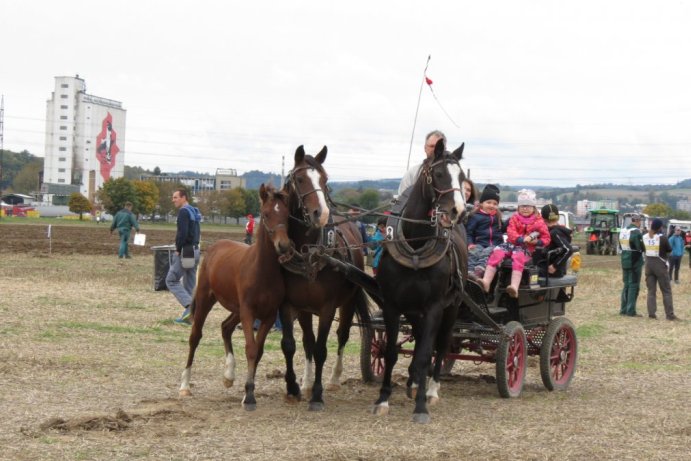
[(434, 249)]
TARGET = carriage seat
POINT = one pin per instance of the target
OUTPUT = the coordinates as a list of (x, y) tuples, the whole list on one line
[(565, 281)]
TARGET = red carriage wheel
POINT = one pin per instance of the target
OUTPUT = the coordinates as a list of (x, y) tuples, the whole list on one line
[(558, 354), (512, 354), (372, 350)]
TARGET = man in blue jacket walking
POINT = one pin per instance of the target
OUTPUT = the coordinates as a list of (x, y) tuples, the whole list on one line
[(181, 281)]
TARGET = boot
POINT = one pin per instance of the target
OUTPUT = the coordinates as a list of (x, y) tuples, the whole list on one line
[(490, 271), (512, 289)]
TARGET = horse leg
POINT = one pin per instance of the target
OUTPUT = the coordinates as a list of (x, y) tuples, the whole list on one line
[(442, 348), (308, 341), (201, 306), (227, 329), (288, 348), (345, 320), (320, 352), (392, 322), (253, 353), (411, 386), (421, 361)]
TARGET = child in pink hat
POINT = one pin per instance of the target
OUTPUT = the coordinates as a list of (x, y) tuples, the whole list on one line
[(525, 231)]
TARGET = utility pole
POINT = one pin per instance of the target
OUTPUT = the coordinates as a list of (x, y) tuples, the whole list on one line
[(2, 136), (283, 170)]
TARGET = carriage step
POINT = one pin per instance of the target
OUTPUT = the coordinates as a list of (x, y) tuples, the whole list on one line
[(497, 311)]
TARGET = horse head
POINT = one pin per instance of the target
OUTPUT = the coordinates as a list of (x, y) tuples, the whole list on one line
[(442, 177), (306, 185), (274, 217)]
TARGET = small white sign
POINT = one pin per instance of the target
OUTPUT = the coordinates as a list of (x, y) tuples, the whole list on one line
[(140, 239)]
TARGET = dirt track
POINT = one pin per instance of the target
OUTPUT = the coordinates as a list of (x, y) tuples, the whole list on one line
[(90, 365), (90, 238)]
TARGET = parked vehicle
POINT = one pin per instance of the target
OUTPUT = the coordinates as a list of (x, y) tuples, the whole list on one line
[(602, 235), (567, 219), (684, 224)]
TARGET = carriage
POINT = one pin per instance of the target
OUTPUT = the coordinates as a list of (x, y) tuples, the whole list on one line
[(498, 329)]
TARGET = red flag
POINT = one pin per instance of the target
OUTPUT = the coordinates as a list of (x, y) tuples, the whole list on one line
[(428, 80)]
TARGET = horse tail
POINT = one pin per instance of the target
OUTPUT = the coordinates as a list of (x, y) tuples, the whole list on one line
[(361, 307)]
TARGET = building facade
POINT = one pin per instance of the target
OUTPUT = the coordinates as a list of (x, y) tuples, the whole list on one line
[(85, 139), (225, 179), (684, 205)]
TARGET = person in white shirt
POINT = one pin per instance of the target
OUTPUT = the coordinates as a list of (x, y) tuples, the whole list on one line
[(411, 175)]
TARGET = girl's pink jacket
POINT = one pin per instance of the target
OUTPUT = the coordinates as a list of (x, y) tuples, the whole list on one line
[(521, 226)]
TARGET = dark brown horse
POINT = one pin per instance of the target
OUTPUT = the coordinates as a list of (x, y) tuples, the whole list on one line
[(247, 281), (421, 273), (313, 287)]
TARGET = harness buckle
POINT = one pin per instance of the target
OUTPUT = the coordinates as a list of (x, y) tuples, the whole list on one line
[(330, 238), (434, 218)]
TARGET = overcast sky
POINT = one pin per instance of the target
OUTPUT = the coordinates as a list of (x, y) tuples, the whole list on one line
[(552, 93)]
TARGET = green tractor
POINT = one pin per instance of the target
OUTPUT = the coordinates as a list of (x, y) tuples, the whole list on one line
[(602, 236)]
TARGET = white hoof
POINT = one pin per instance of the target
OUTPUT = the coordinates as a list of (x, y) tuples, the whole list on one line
[(228, 382), (380, 410), (432, 400), (185, 393)]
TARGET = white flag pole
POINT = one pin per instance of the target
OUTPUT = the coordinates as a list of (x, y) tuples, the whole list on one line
[(422, 84)]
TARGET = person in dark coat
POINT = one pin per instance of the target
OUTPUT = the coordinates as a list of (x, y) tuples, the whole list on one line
[(559, 249), (124, 221), (632, 250), (484, 230), (657, 250)]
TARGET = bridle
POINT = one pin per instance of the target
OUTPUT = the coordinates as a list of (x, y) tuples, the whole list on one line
[(292, 183), (439, 193), (271, 231)]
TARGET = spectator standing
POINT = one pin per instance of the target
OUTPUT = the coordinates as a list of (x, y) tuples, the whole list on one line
[(124, 221), (687, 240), (632, 249), (181, 281), (676, 241), (657, 249), (249, 229), (354, 213), (376, 243)]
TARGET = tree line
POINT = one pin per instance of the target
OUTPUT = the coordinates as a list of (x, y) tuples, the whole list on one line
[(154, 199)]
